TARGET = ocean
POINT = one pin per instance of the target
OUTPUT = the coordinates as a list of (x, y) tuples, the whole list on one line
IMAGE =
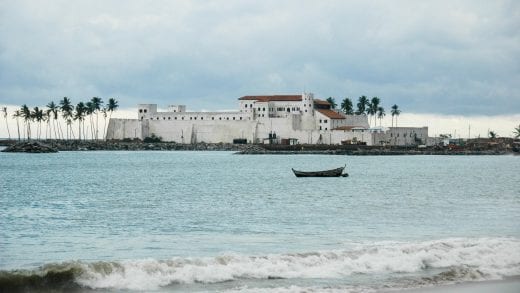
[(218, 222)]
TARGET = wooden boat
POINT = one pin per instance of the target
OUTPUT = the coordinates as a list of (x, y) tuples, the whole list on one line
[(338, 172)]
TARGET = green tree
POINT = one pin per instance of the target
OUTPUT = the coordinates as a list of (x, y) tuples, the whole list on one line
[(79, 115), (381, 114), (346, 106), (17, 114), (373, 106), (362, 105), (516, 132), (66, 112), (52, 114), (38, 116), (90, 109), (96, 104), (27, 117), (332, 102), (4, 110), (395, 112), (493, 135)]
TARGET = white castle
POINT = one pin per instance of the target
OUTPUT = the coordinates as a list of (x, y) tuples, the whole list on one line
[(287, 119)]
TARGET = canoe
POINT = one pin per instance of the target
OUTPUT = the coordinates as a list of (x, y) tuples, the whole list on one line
[(326, 173)]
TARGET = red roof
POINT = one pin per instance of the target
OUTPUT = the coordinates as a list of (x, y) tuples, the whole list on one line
[(321, 102), (331, 114), (288, 98)]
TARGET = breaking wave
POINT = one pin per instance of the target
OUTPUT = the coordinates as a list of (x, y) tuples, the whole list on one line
[(452, 260)]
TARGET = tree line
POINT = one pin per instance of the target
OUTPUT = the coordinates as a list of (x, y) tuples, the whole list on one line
[(366, 106), (69, 113)]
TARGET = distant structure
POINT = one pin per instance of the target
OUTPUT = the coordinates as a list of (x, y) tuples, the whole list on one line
[(285, 119)]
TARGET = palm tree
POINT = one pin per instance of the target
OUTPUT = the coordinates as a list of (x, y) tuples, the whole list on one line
[(96, 104), (373, 106), (492, 135), (4, 109), (362, 105), (332, 102), (395, 112), (380, 114), (66, 112), (516, 132), (37, 115), (346, 106), (111, 107), (90, 109), (80, 116), (52, 112), (104, 111), (17, 114), (27, 117)]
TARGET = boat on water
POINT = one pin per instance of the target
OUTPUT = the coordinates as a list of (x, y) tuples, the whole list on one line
[(338, 172)]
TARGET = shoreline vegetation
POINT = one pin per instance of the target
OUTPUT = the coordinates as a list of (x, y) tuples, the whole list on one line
[(44, 146)]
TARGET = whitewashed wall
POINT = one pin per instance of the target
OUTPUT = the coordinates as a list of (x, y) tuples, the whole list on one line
[(123, 128)]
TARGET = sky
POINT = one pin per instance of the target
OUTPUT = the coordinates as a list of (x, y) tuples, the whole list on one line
[(446, 64)]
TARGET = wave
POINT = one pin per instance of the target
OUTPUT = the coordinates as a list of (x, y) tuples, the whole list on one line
[(452, 260)]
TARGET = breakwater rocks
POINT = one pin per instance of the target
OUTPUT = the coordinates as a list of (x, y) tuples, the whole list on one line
[(30, 147), (245, 149), (353, 150), (121, 146)]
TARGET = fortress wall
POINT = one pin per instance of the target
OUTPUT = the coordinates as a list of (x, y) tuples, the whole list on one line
[(123, 128), (211, 131)]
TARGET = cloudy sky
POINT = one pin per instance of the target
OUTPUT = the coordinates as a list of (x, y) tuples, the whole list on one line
[(444, 58)]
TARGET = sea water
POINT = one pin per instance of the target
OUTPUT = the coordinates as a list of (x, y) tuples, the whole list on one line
[(216, 221)]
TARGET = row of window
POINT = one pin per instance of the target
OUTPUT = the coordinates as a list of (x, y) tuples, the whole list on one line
[(142, 110), (324, 121), (193, 118), (404, 135)]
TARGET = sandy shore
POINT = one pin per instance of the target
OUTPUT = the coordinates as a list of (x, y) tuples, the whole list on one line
[(510, 285)]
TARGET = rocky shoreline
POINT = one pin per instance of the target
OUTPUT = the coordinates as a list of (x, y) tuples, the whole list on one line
[(244, 149)]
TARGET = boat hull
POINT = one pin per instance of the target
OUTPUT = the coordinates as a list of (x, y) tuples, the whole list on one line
[(338, 172)]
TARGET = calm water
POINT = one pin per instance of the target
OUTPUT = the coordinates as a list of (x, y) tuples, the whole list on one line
[(214, 221)]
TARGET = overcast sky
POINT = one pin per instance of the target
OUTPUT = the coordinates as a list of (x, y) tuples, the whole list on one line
[(435, 57)]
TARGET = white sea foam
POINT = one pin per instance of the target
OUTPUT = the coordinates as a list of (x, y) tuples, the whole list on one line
[(460, 259)]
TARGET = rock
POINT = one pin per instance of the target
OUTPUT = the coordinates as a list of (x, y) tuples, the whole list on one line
[(30, 147)]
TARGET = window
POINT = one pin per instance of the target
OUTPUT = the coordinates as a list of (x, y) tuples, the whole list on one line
[(233, 118), (140, 110), (212, 118), (169, 118), (227, 118), (219, 118), (182, 117), (175, 118), (164, 118), (246, 105), (144, 110), (320, 120), (191, 118), (263, 109), (324, 121), (201, 118), (240, 118)]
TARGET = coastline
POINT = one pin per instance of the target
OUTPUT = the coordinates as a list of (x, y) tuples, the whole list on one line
[(507, 285), (259, 149)]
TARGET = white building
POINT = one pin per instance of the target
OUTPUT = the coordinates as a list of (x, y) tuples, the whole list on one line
[(259, 119)]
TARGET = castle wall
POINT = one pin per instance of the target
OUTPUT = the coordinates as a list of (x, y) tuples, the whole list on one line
[(123, 128)]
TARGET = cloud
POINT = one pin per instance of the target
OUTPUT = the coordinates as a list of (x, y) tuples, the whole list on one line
[(445, 57)]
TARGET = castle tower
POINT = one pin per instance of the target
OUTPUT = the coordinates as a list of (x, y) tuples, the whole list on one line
[(307, 104), (145, 111)]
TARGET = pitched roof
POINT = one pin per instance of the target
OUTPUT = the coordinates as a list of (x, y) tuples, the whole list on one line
[(331, 114), (284, 98), (321, 102)]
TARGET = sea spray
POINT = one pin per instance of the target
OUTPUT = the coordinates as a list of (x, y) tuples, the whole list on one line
[(457, 259)]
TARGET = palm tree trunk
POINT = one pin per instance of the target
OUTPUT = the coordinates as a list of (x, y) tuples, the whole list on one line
[(104, 127), (7, 125), (18, 128)]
